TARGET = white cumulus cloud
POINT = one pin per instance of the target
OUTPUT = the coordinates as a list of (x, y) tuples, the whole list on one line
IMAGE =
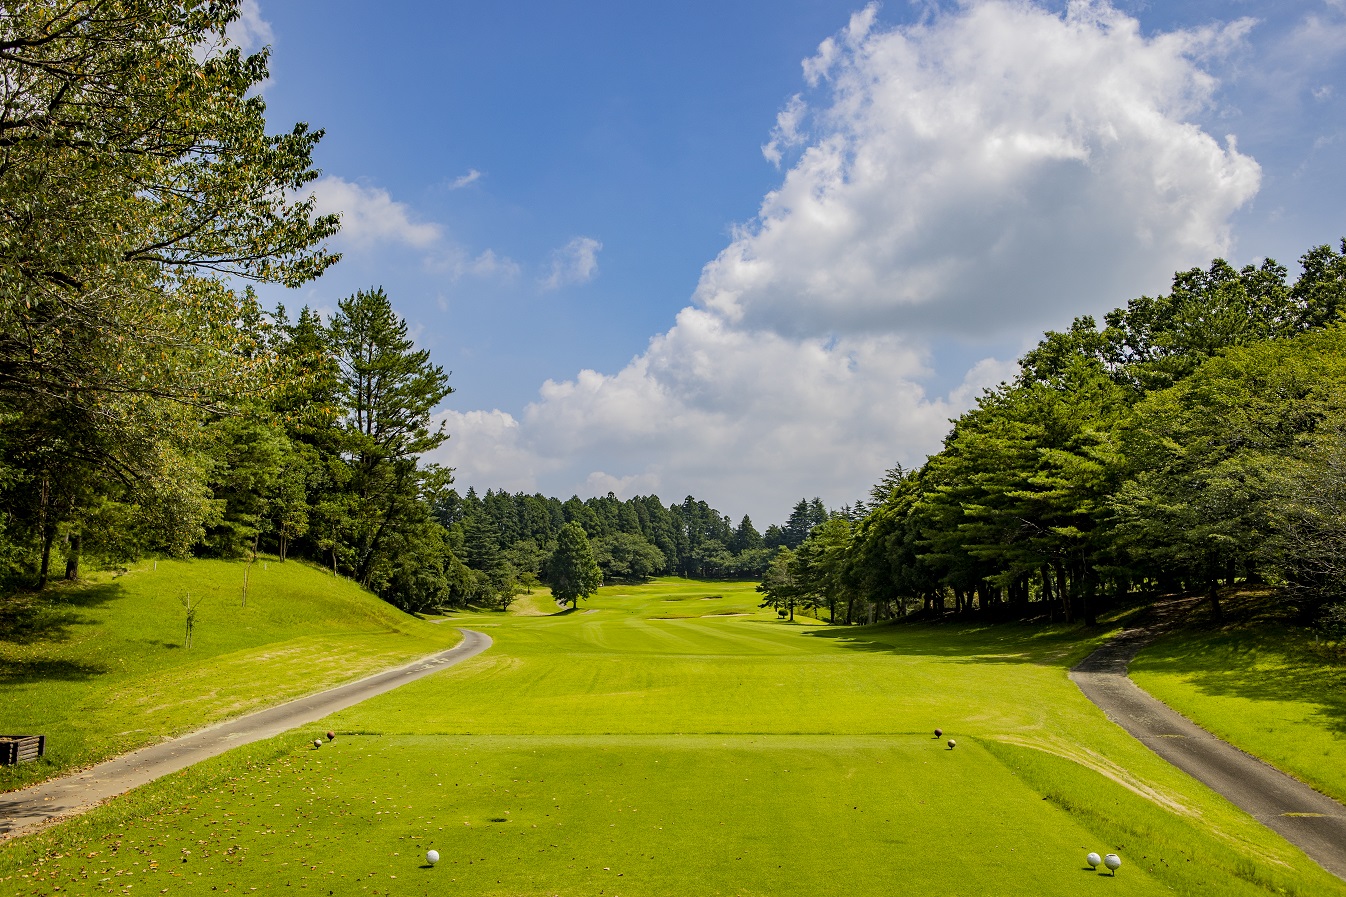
[(989, 171), (575, 262), (250, 32), (462, 181), (369, 215), (998, 167)]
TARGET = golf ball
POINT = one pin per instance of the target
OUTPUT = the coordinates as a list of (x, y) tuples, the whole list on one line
[(432, 856), (1113, 862), (952, 744), (939, 732), (1093, 860), (317, 742)]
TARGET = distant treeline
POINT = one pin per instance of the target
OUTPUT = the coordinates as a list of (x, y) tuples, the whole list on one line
[(321, 460), (505, 539), (1193, 441)]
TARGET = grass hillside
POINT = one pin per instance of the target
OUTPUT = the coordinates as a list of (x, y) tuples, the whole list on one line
[(101, 669), (1272, 689), (672, 739)]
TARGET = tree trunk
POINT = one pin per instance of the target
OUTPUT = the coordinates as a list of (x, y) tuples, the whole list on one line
[(48, 537), (48, 533), (1087, 595), (1213, 592), (1063, 589), (72, 558)]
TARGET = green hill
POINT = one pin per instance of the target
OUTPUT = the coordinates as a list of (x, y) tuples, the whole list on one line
[(101, 669)]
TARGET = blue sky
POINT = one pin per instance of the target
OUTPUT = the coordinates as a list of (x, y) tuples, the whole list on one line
[(752, 251)]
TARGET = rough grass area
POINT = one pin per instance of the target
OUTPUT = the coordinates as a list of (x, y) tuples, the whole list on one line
[(101, 668), (660, 746), (1272, 689)]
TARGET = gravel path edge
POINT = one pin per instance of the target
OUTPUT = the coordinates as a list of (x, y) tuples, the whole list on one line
[(1312, 821), (24, 810)]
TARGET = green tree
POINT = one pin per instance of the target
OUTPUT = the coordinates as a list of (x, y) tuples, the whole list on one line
[(746, 537), (780, 591), (572, 572), (627, 557), (387, 391), (1217, 460), (136, 174)]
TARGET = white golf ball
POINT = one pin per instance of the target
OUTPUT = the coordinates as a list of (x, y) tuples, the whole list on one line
[(1113, 862), (952, 744), (1093, 860), (432, 856)]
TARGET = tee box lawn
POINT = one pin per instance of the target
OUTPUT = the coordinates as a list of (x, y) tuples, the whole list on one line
[(671, 739)]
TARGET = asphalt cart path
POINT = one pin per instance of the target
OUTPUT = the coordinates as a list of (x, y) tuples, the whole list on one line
[(1311, 821), (23, 810)]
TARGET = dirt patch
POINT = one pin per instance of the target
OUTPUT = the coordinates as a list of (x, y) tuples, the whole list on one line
[(1075, 753)]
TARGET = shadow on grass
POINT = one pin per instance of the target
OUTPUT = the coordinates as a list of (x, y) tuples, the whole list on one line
[(1052, 645), (29, 617), (17, 671), (1256, 656)]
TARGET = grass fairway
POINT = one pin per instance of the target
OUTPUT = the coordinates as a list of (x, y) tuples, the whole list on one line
[(1266, 688), (671, 740), (103, 670)]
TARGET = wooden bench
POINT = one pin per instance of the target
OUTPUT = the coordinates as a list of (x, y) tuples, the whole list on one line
[(21, 748)]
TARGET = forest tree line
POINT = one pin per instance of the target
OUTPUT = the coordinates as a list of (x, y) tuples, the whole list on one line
[(1192, 441), (508, 539), (148, 404), (326, 464)]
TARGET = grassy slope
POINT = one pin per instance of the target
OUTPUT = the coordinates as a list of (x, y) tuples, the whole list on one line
[(655, 746), (1265, 688), (105, 671)]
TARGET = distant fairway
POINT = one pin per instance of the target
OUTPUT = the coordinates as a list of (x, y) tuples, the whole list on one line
[(670, 739)]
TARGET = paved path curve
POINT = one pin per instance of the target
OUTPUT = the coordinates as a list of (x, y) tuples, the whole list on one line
[(69, 795), (1311, 821)]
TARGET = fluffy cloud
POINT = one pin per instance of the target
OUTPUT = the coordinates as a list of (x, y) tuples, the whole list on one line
[(462, 181), (712, 409), (575, 262), (999, 167), (993, 170), (372, 219), (250, 32), (369, 215)]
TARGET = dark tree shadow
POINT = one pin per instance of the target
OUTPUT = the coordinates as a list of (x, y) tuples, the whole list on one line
[(1223, 661), (964, 642), (28, 617), (15, 672)]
